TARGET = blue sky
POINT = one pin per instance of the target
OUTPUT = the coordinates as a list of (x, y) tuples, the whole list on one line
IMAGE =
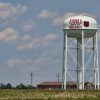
[(31, 37)]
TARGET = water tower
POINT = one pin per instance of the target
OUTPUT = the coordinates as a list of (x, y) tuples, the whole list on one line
[(80, 28)]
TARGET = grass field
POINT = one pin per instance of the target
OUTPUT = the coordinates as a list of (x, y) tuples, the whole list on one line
[(19, 94)]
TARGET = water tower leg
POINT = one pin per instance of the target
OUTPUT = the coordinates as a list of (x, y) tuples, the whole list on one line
[(82, 59), (94, 61), (64, 70), (80, 62), (95, 58), (78, 71), (63, 62), (97, 67)]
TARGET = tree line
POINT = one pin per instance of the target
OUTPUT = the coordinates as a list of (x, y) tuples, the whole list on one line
[(19, 86)]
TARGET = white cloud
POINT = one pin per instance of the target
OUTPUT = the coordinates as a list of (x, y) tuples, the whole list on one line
[(88, 14), (13, 62), (26, 37), (25, 46), (8, 35), (8, 10), (50, 37), (69, 14), (58, 21), (44, 40), (47, 14), (27, 26), (38, 42), (41, 60)]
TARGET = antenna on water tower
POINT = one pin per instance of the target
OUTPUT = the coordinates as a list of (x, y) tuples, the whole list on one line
[(80, 28)]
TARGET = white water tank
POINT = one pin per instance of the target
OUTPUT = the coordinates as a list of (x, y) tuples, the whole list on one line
[(74, 26)]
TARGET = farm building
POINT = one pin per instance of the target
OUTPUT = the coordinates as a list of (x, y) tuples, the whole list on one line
[(49, 85), (58, 85)]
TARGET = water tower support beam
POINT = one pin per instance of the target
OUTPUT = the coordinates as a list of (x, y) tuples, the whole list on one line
[(80, 62), (97, 66), (64, 70), (94, 61), (82, 59)]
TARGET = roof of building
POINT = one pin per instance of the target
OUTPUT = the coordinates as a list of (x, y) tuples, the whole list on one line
[(58, 83)]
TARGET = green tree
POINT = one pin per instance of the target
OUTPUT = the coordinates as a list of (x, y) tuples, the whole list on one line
[(21, 86), (9, 86)]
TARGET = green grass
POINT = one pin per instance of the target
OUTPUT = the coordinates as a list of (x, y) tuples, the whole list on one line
[(28, 94)]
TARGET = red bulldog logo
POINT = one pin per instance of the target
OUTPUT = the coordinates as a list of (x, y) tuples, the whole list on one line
[(86, 23)]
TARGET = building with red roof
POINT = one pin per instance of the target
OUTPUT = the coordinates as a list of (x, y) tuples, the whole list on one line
[(58, 85)]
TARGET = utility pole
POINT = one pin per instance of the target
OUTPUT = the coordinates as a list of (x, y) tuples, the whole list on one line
[(31, 75), (58, 76)]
